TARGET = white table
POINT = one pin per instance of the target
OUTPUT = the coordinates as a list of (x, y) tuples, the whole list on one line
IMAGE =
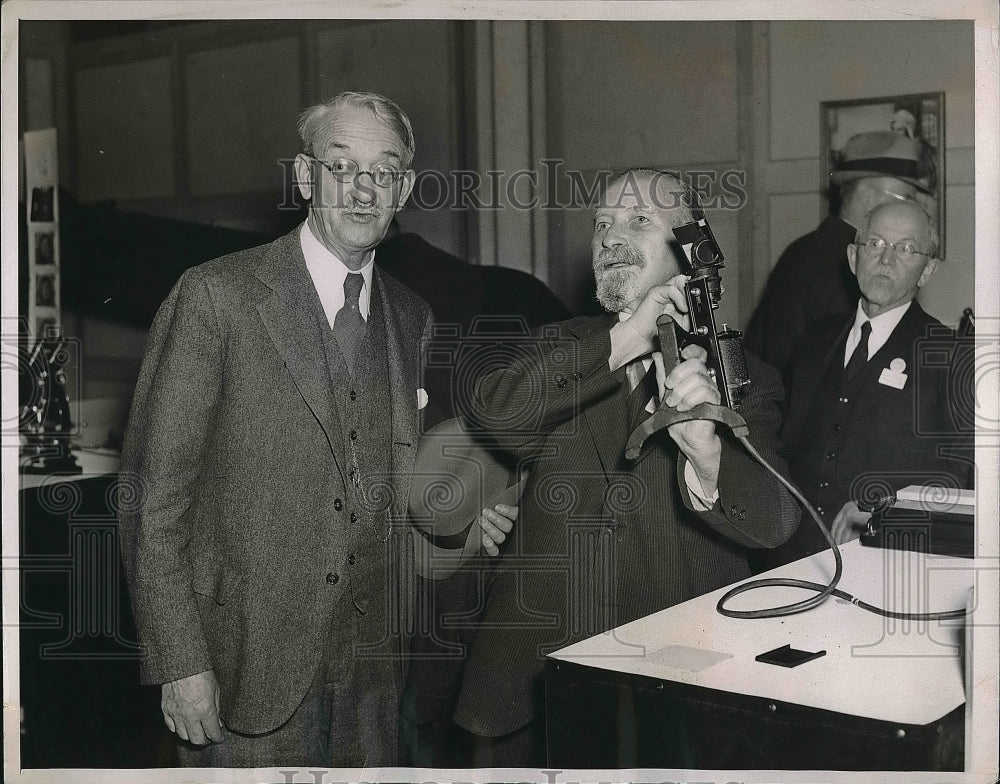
[(900, 672), (93, 462)]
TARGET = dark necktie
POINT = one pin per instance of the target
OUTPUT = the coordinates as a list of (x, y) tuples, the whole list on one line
[(860, 356), (642, 388), (348, 326)]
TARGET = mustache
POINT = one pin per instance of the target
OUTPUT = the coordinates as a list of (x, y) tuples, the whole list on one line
[(364, 209), (620, 254)]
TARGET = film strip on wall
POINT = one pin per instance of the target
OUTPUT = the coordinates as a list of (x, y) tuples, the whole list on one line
[(41, 179), (46, 423)]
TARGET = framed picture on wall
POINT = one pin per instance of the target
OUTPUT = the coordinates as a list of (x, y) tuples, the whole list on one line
[(918, 117)]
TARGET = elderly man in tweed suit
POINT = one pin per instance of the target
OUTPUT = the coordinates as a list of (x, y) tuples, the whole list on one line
[(271, 439)]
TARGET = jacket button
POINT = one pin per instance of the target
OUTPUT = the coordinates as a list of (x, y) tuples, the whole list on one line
[(354, 435), (354, 517), (824, 484), (338, 504), (831, 455), (819, 509), (560, 380), (578, 375), (333, 578), (353, 395), (843, 400), (351, 559)]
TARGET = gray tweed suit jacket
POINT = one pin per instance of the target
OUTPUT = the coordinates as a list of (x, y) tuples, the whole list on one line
[(231, 537)]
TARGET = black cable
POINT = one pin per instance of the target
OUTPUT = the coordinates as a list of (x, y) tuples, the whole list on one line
[(822, 591)]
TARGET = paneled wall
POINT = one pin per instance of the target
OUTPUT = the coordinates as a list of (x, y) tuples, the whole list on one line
[(660, 95), (810, 62), (197, 121), (744, 97)]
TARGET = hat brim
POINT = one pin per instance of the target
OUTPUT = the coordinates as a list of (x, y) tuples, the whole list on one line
[(433, 562), (498, 487), (841, 176)]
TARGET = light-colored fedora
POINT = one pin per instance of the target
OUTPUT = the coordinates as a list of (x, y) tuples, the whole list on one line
[(456, 474), (881, 154)]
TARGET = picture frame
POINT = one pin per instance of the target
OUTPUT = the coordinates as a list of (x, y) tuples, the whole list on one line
[(917, 115)]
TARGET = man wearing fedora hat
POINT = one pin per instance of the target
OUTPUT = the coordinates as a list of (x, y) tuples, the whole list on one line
[(811, 279)]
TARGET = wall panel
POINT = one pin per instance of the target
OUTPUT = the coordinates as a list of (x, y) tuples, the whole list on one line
[(811, 62), (124, 131), (241, 103), (620, 94), (414, 64)]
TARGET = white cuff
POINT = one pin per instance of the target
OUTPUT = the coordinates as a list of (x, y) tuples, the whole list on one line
[(700, 500)]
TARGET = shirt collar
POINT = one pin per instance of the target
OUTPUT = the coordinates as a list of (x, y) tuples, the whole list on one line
[(882, 325), (647, 360), (329, 273)]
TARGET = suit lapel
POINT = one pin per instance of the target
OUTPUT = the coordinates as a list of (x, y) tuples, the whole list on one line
[(403, 352), (833, 360), (605, 418), (289, 315)]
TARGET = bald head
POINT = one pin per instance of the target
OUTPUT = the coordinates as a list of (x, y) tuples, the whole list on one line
[(651, 189), (894, 255), (908, 214)]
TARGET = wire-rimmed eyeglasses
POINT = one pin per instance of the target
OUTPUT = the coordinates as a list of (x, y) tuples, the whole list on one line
[(903, 250), (346, 170)]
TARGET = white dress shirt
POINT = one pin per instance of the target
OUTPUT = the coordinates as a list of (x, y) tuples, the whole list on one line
[(328, 274), (882, 327), (699, 498)]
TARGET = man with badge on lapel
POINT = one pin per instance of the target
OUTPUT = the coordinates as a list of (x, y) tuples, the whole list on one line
[(271, 444), (874, 399)]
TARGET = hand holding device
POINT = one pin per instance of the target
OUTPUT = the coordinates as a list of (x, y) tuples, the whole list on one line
[(725, 360)]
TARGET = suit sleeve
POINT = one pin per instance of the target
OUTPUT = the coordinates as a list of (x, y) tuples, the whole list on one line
[(754, 509), (550, 381), (780, 317), (162, 458)]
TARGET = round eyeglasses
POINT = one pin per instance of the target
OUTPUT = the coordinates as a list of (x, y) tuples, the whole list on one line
[(346, 170), (903, 250)]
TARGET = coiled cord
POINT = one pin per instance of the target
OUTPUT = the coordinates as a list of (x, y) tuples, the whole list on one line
[(822, 591)]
